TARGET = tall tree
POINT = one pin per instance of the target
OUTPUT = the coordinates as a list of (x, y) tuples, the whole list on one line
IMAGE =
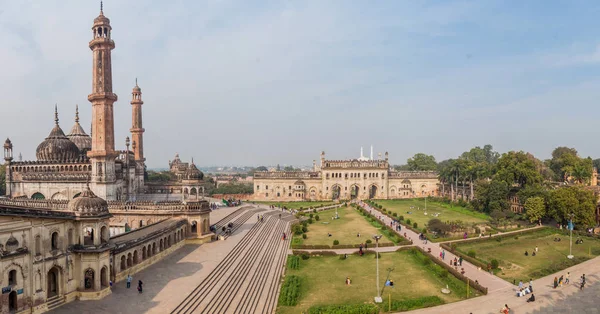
[(422, 162), (535, 208), (575, 200), (517, 169), (565, 163)]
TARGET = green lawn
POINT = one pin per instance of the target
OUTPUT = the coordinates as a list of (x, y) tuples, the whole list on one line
[(446, 212), (297, 205), (344, 229), (551, 257), (322, 281)]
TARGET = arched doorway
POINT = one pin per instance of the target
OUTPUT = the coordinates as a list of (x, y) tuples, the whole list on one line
[(206, 226), (129, 260), (354, 190), (335, 192), (104, 277), (372, 191), (12, 302), (123, 263), (194, 227), (104, 234), (89, 279), (53, 289), (135, 257)]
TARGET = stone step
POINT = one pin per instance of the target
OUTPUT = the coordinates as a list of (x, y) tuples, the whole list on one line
[(55, 302)]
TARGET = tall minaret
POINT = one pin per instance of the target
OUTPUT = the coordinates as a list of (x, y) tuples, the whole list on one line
[(102, 98), (371, 152), (137, 131)]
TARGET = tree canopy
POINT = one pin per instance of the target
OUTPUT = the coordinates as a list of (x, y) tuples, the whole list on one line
[(422, 162), (572, 200), (535, 208), (568, 166)]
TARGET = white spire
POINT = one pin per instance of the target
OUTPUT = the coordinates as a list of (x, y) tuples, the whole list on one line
[(361, 152), (371, 152)]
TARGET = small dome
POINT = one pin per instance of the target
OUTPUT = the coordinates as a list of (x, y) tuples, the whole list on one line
[(193, 173), (57, 147), (87, 203), (12, 244), (299, 182), (137, 89), (7, 143), (101, 19), (78, 135)]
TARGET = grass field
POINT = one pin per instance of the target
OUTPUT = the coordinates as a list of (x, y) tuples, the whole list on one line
[(323, 281), (446, 212), (297, 205), (551, 257), (344, 229)]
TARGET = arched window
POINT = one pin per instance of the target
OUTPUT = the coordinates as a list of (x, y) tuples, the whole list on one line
[(12, 277), (54, 241), (104, 234), (123, 262), (89, 279), (70, 237), (88, 236)]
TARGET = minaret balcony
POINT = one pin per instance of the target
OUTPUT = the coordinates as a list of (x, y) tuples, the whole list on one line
[(102, 41), (102, 96)]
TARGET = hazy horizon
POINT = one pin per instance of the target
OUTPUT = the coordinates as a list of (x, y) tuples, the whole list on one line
[(277, 82)]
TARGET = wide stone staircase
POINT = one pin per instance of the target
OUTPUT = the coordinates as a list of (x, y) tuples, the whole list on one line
[(247, 280), (55, 302)]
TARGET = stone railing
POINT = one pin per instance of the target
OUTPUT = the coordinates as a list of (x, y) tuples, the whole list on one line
[(44, 176), (35, 204), (158, 206), (287, 175)]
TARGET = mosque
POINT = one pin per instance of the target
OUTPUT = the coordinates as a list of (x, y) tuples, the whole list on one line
[(81, 215)]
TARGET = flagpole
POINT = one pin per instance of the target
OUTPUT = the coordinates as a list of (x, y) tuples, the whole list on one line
[(570, 256)]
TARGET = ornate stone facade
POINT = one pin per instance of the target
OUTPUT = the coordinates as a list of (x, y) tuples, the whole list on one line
[(360, 178)]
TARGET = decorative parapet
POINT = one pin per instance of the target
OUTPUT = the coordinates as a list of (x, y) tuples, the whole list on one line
[(413, 175), (355, 163), (54, 206), (287, 175)]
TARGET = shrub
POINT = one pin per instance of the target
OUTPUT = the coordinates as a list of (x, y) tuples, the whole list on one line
[(415, 225), (298, 229), (317, 218), (394, 214), (310, 221), (304, 236), (495, 263), (444, 274), (305, 256), (304, 229), (336, 242), (424, 231), (472, 253), (342, 256), (369, 241), (311, 215), (408, 221), (401, 218), (290, 290), (416, 303)]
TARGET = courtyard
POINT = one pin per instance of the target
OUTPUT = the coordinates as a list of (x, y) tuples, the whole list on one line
[(345, 229), (550, 258), (417, 282)]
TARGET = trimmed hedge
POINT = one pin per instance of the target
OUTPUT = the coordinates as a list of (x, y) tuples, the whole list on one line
[(416, 303), (290, 290), (293, 262), (344, 309), (339, 246), (314, 253)]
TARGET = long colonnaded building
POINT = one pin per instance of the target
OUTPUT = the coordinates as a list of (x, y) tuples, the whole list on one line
[(81, 215), (361, 178)]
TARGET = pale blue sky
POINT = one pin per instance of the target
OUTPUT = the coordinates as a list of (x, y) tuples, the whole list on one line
[(267, 82)]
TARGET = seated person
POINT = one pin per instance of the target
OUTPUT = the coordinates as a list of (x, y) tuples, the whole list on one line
[(533, 254), (391, 282), (348, 281), (531, 298), (329, 234), (526, 253)]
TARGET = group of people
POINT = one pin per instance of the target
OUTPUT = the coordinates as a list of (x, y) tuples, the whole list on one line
[(140, 283), (523, 290), (260, 218), (456, 262)]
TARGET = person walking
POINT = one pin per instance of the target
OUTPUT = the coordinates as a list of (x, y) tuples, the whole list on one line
[(140, 283), (129, 279), (520, 284), (567, 278), (555, 282), (530, 284)]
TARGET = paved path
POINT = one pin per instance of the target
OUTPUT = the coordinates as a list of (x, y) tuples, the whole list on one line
[(169, 281), (352, 250), (484, 278), (567, 299)]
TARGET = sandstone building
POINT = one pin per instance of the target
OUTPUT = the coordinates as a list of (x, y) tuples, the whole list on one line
[(361, 178), (80, 215)]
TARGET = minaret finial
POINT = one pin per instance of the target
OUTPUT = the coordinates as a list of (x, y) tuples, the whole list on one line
[(136, 81), (56, 114), (192, 160), (101, 7), (76, 113)]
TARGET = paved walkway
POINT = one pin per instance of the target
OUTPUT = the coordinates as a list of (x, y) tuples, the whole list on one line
[(167, 282), (567, 299), (484, 278), (352, 250)]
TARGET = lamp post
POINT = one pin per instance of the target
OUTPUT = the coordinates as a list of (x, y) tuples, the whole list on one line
[(570, 226), (377, 237)]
